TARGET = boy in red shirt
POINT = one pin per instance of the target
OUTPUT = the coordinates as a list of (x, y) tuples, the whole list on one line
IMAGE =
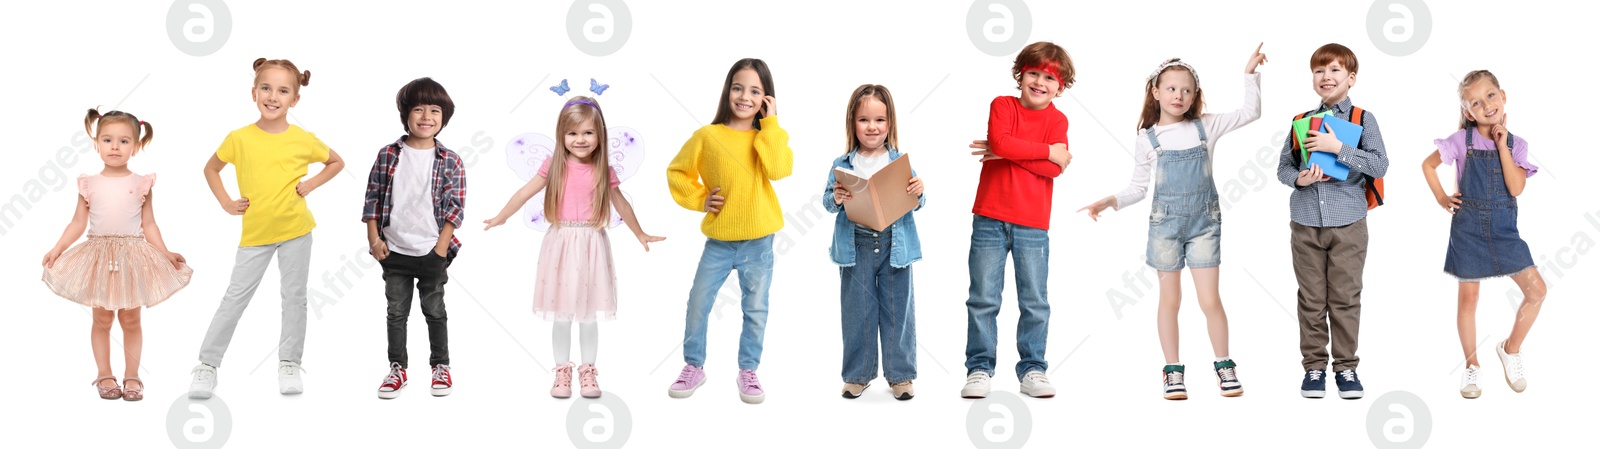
[(1026, 149)]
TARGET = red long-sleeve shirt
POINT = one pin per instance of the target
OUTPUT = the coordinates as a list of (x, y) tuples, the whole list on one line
[(1018, 188)]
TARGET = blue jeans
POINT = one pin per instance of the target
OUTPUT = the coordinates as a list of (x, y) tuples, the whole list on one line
[(986, 263), (876, 301), (753, 259)]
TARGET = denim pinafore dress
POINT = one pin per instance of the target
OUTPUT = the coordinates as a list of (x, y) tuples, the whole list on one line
[(1484, 242)]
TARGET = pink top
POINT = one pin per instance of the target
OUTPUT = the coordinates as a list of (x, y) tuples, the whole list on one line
[(115, 204), (577, 199), (1454, 148)]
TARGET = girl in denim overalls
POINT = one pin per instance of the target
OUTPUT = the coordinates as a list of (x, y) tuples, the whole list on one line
[(875, 298), (1175, 148), (1491, 170)]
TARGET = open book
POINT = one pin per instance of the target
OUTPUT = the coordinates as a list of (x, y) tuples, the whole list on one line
[(877, 201)]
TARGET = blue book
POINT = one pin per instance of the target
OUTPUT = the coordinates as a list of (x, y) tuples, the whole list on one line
[(1349, 134)]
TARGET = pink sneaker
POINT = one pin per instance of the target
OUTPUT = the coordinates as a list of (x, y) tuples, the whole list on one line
[(563, 387), (750, 387), (589, 387), (688, 380)]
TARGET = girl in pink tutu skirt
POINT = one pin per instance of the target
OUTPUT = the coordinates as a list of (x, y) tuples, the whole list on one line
[(124, 265), (575, 279)]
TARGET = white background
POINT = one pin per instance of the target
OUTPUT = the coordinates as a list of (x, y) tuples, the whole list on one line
[(497, 60)]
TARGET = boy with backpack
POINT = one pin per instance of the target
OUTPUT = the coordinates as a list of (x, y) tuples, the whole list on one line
[(1328, 234)]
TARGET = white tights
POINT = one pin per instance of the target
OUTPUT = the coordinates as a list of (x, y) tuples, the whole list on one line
[(588, 338)]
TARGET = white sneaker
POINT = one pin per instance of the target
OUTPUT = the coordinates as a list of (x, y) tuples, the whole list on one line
[(1513, 366), (204, 381), (1469, 382), (1035, 384), (289, 381), (977, 386)]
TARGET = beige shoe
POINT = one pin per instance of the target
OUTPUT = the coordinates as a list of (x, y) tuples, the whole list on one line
[(852, 391), (903, 391)]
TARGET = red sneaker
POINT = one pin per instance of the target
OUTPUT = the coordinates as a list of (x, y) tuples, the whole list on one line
[(441, 380), (393, 382)]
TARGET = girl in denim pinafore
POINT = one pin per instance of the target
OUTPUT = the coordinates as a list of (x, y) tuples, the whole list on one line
[(1484, 242), (1185, 215)]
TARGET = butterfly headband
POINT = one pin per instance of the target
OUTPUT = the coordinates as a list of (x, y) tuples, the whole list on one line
[(1174, 62)]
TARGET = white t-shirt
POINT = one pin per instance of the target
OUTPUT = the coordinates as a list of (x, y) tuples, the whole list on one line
[(412, 229), (868, 166)]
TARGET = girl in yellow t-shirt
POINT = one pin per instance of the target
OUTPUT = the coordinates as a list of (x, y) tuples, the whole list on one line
[(270, 157)]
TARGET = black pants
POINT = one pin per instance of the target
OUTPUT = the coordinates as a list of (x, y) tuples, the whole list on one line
[(428, 274)]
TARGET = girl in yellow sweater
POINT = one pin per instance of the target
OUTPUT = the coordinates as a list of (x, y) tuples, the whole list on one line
[(726, 170)]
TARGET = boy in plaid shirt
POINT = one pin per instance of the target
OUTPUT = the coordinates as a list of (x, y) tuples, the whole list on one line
[(416, 196)]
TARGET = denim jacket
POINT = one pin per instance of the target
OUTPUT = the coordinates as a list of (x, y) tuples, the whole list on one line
[(904, 246)]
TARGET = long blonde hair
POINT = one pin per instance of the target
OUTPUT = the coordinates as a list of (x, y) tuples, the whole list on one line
[(574, 113)]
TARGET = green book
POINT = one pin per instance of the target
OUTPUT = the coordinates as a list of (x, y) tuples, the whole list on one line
[(1301, 128)]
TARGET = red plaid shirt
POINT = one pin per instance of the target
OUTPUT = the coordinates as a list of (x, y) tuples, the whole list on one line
[(449, 189)]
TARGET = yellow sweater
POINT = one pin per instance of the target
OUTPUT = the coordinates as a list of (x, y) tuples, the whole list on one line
[(743, 164)]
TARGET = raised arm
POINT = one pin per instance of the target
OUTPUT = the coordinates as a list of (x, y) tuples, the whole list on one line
[(772, 150)]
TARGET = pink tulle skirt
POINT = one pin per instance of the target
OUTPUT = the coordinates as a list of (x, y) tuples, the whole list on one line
[(115, 272), (575, 281)]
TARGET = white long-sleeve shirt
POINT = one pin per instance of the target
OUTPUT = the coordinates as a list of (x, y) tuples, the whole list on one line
[(1182, 136)]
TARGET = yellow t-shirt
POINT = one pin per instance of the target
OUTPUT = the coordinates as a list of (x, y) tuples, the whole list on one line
[(268, 167)]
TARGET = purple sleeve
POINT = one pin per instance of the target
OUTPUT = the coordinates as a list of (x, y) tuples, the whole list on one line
[(1519, 155), (1453, 148)]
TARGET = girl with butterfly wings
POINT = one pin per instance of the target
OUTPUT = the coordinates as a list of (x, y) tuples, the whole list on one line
[(575, 278)]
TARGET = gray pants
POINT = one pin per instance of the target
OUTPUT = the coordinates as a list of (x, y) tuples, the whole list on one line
[(294, 267)]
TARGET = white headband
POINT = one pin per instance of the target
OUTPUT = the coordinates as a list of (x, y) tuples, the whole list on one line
[(1174, 62)]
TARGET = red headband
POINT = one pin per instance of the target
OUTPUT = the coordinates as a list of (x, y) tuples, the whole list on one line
[(1048, 68)]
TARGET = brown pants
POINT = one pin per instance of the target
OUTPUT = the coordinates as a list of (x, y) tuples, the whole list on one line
[(1328, 263)]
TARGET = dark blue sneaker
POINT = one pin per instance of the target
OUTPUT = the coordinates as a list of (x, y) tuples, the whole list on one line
[(1314, 386), (1349, 385)]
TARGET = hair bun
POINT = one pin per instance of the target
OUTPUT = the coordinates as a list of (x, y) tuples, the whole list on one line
[(257, 65), (305, 78)]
